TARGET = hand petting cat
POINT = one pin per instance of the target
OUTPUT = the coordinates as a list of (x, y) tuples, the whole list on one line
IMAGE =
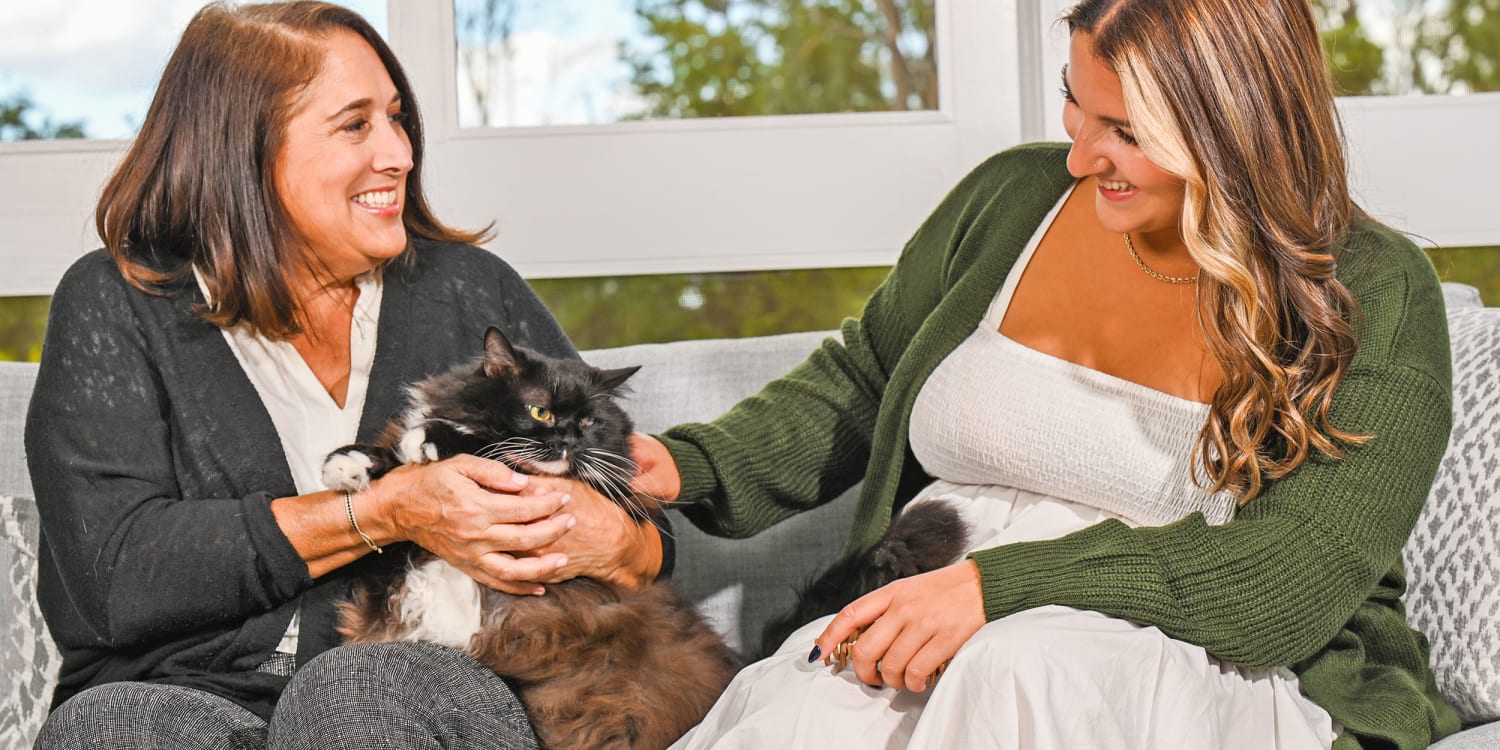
[(911, 627), (463, 510), (605, 542)]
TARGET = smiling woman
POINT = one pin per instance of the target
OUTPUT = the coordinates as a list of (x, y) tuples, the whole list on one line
[(272, 275)]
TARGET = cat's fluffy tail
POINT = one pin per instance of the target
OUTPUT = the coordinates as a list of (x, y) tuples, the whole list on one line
[(926, 536)]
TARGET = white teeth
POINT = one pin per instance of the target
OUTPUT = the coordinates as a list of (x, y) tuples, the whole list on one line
[(376, 199), (1118, 186)]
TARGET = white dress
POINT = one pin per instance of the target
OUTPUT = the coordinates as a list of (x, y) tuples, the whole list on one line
[(1027, 447)]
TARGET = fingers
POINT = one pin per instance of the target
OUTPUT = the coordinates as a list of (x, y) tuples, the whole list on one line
[(488, 473), (858, 615), (905, 632), (517, 574)]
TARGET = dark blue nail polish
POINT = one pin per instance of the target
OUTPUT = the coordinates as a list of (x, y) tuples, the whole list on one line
[(816, 652)]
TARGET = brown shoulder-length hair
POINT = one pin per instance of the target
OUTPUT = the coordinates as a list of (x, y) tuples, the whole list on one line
[(1234, 97), (197, 187)]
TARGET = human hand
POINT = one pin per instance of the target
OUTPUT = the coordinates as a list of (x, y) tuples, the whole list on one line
[(656, 472), (467, 510), (912, 626), (607, 542)]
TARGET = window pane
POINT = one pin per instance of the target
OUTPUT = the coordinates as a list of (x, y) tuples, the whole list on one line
[(614, 311), (1389, 47), (88, 68), (571, 62)]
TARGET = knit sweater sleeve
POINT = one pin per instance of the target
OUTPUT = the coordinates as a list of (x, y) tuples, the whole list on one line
[(1274, 585), (806, 437), (129, 561)]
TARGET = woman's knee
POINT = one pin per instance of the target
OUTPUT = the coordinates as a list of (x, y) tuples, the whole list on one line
[(138, 714), (397, 695)]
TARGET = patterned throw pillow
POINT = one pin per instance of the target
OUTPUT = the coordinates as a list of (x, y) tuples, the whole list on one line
[(26, 649), (1451, 559)]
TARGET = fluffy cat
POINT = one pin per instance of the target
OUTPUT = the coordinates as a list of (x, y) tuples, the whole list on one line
[(595, 664), (925, 536)]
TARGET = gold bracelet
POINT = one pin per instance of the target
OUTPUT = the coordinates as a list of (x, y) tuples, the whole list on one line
[(349, 508)]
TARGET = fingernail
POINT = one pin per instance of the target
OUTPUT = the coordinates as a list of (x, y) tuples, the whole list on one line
[(566, 499), (562, 560), (816, 653), (521, 479), (539, 591), (572, 522)]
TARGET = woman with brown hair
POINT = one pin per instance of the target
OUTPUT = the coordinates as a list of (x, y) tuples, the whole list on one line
[(272, 276), (1187, 399)]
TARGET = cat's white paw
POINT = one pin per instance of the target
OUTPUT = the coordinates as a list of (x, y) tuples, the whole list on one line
[(347, 471), (414, 448)]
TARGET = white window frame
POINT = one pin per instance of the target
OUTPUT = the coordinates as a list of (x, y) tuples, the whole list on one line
[(766, 192)]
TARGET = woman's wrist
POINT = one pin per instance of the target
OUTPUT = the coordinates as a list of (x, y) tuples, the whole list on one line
[(377, 515)]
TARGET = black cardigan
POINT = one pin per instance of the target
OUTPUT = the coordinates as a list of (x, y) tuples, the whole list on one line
[(155, 463)]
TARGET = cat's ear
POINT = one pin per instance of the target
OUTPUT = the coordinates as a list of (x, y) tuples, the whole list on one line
[(611, 380), (499, 357)]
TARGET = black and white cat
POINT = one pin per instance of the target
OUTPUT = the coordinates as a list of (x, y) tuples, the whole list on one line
[(590, 656)]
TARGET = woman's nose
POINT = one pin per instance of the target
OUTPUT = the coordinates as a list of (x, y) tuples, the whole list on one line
[(1084, 161), (392, 150)]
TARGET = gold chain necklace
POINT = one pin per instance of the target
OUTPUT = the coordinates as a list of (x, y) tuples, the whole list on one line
[(1129, 245)]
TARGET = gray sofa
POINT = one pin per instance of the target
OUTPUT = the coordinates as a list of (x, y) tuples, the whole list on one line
[(738, 584)]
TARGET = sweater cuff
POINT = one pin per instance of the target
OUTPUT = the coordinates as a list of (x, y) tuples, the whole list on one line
[(282, 571), (1025, 575), (668, 545), (694, 471)]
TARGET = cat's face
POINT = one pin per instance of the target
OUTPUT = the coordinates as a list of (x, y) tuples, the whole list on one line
[(553, 416)]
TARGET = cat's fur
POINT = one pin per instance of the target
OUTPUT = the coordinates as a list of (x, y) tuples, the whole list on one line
[(595, 664), (925, 536)]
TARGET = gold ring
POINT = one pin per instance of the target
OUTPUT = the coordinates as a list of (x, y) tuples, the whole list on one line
[(842, 656)]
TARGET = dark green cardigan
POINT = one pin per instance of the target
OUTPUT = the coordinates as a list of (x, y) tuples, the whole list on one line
[(1307, 575)]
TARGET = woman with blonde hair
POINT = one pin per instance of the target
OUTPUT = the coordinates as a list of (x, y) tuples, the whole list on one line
[(272, 276), (1187, 399)]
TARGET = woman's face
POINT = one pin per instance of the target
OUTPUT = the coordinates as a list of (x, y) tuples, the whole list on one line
[(341, 173), (1131, 193)]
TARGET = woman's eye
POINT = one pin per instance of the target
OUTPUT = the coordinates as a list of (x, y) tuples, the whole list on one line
[(540, 413), (357, 125), (399, 119), (1126, 137)]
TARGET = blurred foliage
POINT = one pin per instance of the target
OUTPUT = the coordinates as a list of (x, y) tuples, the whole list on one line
[(1465, 37), (20, 121), (1431, 47), (1476, 266), (618, 310), (715, 58), (22, 321)]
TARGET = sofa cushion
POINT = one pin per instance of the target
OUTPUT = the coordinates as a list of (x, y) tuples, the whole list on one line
[(1454, 571), (27, 654)]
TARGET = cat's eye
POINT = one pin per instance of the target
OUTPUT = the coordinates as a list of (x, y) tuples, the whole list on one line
[(540, 413), (586, 422)]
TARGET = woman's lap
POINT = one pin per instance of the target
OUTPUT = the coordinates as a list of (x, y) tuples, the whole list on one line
[(1049, 677), (396, 695), (149, 715)]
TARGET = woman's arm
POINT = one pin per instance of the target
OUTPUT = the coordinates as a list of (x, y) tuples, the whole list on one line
[(806, 437), (466, 510)]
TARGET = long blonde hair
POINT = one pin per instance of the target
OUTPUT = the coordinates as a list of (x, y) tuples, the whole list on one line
[(1234, 97)]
